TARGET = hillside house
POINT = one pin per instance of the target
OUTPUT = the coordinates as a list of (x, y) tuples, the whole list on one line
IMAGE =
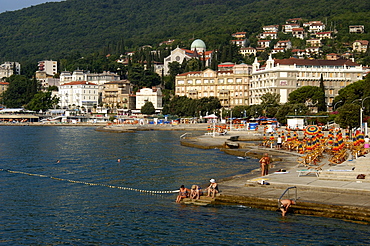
[(264, 43), (239, 35), (357, 29), (248, 51), (324, 35), (288, 28), (360, 46), (315, 42), (285, 44), (299, 33), (271, 28), (238, 42), (271, 35)]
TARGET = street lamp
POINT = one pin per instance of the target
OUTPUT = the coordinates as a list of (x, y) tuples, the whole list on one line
[(359, 99), (336, 104), (362, 110)]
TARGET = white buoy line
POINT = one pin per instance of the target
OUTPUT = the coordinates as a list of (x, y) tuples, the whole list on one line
[(92, 184)]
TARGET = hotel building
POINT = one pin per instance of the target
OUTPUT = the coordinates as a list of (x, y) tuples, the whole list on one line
[(230, 86), (286, 75)]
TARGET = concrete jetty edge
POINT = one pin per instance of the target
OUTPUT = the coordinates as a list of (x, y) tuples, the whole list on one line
[(323, 198), (341, 199)]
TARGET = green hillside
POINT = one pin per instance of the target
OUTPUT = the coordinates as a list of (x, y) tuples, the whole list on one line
[(53, 30)]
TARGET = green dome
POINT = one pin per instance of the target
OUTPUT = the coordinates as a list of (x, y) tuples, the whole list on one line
[(198, 44)]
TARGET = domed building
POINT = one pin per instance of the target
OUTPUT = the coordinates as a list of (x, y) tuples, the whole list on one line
[(198, 45), (197, 50)]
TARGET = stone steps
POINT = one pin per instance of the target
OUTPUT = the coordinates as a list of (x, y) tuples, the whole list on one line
[(344, 175), (203, 201)]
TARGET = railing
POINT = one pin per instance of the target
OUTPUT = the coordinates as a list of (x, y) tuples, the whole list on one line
[(185, 134), (287, 190)]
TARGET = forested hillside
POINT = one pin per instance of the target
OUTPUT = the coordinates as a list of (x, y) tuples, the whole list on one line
[(53, 30)]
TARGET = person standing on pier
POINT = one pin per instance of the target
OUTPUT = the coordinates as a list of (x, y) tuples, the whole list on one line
[(265, 162)]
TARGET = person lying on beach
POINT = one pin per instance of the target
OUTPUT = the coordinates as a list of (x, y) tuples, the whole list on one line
[(195, 192), (212, 188), (285, 204), (183, 193)]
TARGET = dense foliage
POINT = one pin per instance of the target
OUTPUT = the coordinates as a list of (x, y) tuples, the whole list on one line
[(184, 106), (55, 30), (20, 91), (148, 108)]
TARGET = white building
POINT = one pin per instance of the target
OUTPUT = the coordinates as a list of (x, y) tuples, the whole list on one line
[(238, 42), (49, 67), (97, 78), (282, 76), (360, 46), (197, 50), (153, 95), (357, 29), (248, 51), (7, 69), (78, 94), (271, 28)]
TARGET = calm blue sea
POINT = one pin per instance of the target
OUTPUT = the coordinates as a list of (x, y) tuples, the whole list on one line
[(43, 211)]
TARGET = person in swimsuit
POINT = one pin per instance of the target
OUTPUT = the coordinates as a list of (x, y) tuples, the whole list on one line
[(285, 204), (183, 193), (195, 192), (265, 162), (212, 188)]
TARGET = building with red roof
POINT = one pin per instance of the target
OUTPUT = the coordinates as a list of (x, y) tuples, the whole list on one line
[(282, 76)]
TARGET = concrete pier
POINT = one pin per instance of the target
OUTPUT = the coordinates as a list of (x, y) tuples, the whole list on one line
[(333, 192)]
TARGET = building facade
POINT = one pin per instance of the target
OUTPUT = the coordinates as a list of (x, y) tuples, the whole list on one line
[(197, 50), (7, 69), (153, 95), (78, 94), (360, 46), (96, 78), (49, 67), (118, 94), (230, 86), (286, 75)]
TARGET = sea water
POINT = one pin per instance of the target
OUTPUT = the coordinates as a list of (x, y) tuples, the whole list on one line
[(39, 210)]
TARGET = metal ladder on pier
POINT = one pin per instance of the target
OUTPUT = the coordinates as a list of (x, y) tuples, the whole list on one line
[(287, 191), (185, 135)]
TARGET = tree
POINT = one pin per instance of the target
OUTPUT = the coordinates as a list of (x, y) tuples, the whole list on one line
[(20, 91), (272, 99), (348, 116), (42, 101), (307, 94), (148, 108), (321, 105)]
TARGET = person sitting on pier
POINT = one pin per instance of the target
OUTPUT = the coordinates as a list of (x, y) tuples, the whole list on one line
[(285, 204), (212, 188), (195, 192), (183, 193)]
